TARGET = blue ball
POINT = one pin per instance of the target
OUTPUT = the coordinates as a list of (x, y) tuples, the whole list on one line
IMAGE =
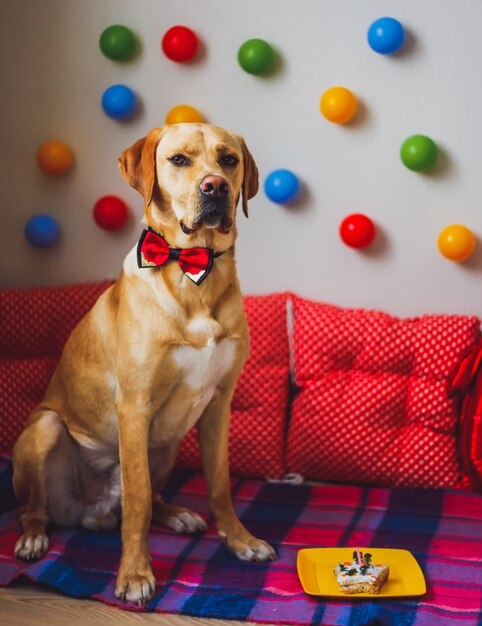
[(42, 231), (119, 102), (281, 186), (386, 35)]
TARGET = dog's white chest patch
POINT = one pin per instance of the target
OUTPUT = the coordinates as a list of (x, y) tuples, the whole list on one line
[(203, 368)]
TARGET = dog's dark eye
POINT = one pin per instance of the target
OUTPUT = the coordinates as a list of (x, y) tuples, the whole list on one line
[(180, 160), (229, 160)]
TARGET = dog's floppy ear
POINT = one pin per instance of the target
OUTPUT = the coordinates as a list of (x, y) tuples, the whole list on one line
[(138, 164), (250, 180)]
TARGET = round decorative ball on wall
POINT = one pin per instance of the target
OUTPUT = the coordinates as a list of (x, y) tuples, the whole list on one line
[(42, 231), (184, 114), (118, 43), (119, 102), (54, 158), (338, 105), (110, 213), (386, 35), (256, 56), (456, 242), (419, 153), (357, 231), (282, 186), (180, 44)]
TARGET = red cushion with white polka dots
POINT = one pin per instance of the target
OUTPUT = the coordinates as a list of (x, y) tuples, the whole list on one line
[(258, 410), (22, 385), (35, 324), (373, 405), (466, 384)]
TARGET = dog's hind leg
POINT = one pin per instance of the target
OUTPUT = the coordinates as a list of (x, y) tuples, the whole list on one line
[(178, 518), (29, 481)]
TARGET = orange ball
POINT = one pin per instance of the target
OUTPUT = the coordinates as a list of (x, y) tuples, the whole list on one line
[(55, 158), (183, 114), (338, 105), (456, 242)]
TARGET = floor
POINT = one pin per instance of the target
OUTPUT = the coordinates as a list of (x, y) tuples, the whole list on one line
[(27, 604)]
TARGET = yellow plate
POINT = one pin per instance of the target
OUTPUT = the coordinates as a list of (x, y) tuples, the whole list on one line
[(316, 565)]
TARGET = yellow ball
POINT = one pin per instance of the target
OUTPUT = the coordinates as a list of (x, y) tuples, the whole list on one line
[(456, 242), (338, 105), (183, 114)]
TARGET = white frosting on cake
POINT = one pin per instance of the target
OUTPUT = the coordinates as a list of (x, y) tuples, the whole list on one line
[(370, 577)]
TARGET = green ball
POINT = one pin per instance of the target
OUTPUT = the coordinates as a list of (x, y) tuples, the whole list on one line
[(418, 153), (118, 43), (256, 56)]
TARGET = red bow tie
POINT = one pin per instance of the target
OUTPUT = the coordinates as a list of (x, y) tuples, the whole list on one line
[(154, 251)]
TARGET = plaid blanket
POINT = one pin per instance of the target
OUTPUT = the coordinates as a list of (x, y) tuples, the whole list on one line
[(197, 576)]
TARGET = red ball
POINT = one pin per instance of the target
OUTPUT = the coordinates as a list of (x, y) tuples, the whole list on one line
[(110, 213), (357, 231), (180, 44)]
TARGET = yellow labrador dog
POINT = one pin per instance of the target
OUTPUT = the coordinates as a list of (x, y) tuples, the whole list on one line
[(160, 351)]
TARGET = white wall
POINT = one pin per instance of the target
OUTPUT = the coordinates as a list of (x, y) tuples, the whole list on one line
[(53, 75)]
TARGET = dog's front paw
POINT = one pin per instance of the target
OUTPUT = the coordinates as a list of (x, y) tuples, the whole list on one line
[(31, 546), (186, 522), (137, 587), (248, 548)]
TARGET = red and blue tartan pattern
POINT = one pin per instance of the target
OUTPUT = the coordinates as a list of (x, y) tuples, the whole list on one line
[(197, 576)]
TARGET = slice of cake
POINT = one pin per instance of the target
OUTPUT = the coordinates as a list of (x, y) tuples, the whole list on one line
[(361, 575)]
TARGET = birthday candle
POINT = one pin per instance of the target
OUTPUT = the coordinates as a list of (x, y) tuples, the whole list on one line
[(359, 557)]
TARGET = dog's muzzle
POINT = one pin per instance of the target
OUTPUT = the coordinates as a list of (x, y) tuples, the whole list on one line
[(213, 205)]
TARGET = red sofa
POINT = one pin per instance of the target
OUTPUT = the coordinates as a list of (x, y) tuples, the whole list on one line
[(334, 394)]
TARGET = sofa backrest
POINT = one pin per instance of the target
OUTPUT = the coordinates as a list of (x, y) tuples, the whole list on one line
[(373, 404), (36, 323), (368, 400), (259, 406), (34, 326)]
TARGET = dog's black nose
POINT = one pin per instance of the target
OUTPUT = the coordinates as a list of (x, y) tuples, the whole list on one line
[(214, 187)]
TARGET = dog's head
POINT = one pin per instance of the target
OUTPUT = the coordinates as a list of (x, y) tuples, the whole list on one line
[(191, 177)]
